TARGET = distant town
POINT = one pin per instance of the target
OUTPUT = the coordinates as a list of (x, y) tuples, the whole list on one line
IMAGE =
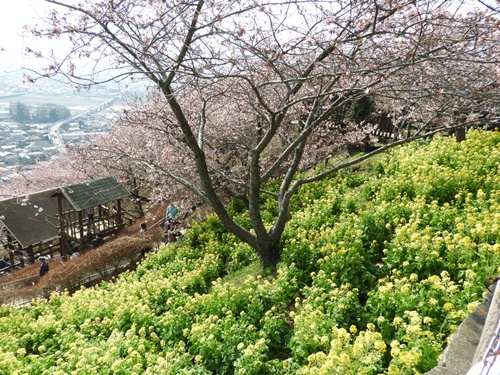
[(69, 117)]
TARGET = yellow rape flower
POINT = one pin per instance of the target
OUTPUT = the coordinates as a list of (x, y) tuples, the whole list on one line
[(395, 348), (397, 321), (448, 306), (472, 306), (380, 345), (394, 370), (409, 359)]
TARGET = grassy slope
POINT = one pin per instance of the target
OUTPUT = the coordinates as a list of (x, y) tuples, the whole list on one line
[(379, 267)]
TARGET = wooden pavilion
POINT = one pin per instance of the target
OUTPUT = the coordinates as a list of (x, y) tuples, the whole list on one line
[(61, 220)]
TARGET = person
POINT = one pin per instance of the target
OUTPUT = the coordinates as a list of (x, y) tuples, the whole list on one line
[(143, 228), (98, 241), (188, 216), (172, 211), (44, 267), (171, 236), (4, 263), (90, 215), (189, 212), (170, 229), (116, 215)]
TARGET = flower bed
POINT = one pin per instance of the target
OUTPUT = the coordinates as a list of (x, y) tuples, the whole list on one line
[(379, 267)]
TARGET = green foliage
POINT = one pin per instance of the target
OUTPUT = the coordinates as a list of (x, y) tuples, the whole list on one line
[(360, 109), (353, 180), (44, 113), (378, 270), (236, 206)]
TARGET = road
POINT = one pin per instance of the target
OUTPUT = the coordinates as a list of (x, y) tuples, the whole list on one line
[(54, 134)]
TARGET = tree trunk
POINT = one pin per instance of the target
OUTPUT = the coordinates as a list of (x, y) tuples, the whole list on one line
[(269, 252), (460, 134)]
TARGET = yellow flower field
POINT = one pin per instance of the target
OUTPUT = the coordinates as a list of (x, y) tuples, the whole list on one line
[(379, 267)]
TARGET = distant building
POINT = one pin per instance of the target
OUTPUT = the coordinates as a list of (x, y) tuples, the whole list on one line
[(39, 145), (25, 158), (12, 126), (39, 156), (4, 111), (12, 159)]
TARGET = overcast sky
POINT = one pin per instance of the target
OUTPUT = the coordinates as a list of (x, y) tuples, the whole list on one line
[(16, 13), (13, 16)]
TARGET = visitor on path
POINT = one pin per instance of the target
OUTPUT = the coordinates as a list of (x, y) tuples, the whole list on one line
[(171, 237), (144, 228), (44, 267), (4, 263), (172, 211), (98, 241), (189, 212), (170, 230), (188, 217)]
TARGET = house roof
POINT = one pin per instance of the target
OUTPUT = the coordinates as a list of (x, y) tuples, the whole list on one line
[(32, 219), (94, 193)]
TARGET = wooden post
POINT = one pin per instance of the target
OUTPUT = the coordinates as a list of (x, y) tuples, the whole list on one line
[(119, 219), (62, 244), (90, 221), (21, 259), (10, 248), (30, 253), (11, 257), (80, 224), (460, 134), (100, 221)]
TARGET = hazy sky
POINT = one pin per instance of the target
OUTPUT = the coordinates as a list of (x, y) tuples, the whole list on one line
[(16, 13), (13, 16)]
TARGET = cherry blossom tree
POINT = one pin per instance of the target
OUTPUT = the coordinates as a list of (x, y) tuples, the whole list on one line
[(64, 169), (243, 92)]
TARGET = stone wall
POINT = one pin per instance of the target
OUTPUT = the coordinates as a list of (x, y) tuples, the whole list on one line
[(472, 337)]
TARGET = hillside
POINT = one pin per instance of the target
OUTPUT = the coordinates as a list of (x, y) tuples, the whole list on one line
[(379, 267), (119, 253)]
